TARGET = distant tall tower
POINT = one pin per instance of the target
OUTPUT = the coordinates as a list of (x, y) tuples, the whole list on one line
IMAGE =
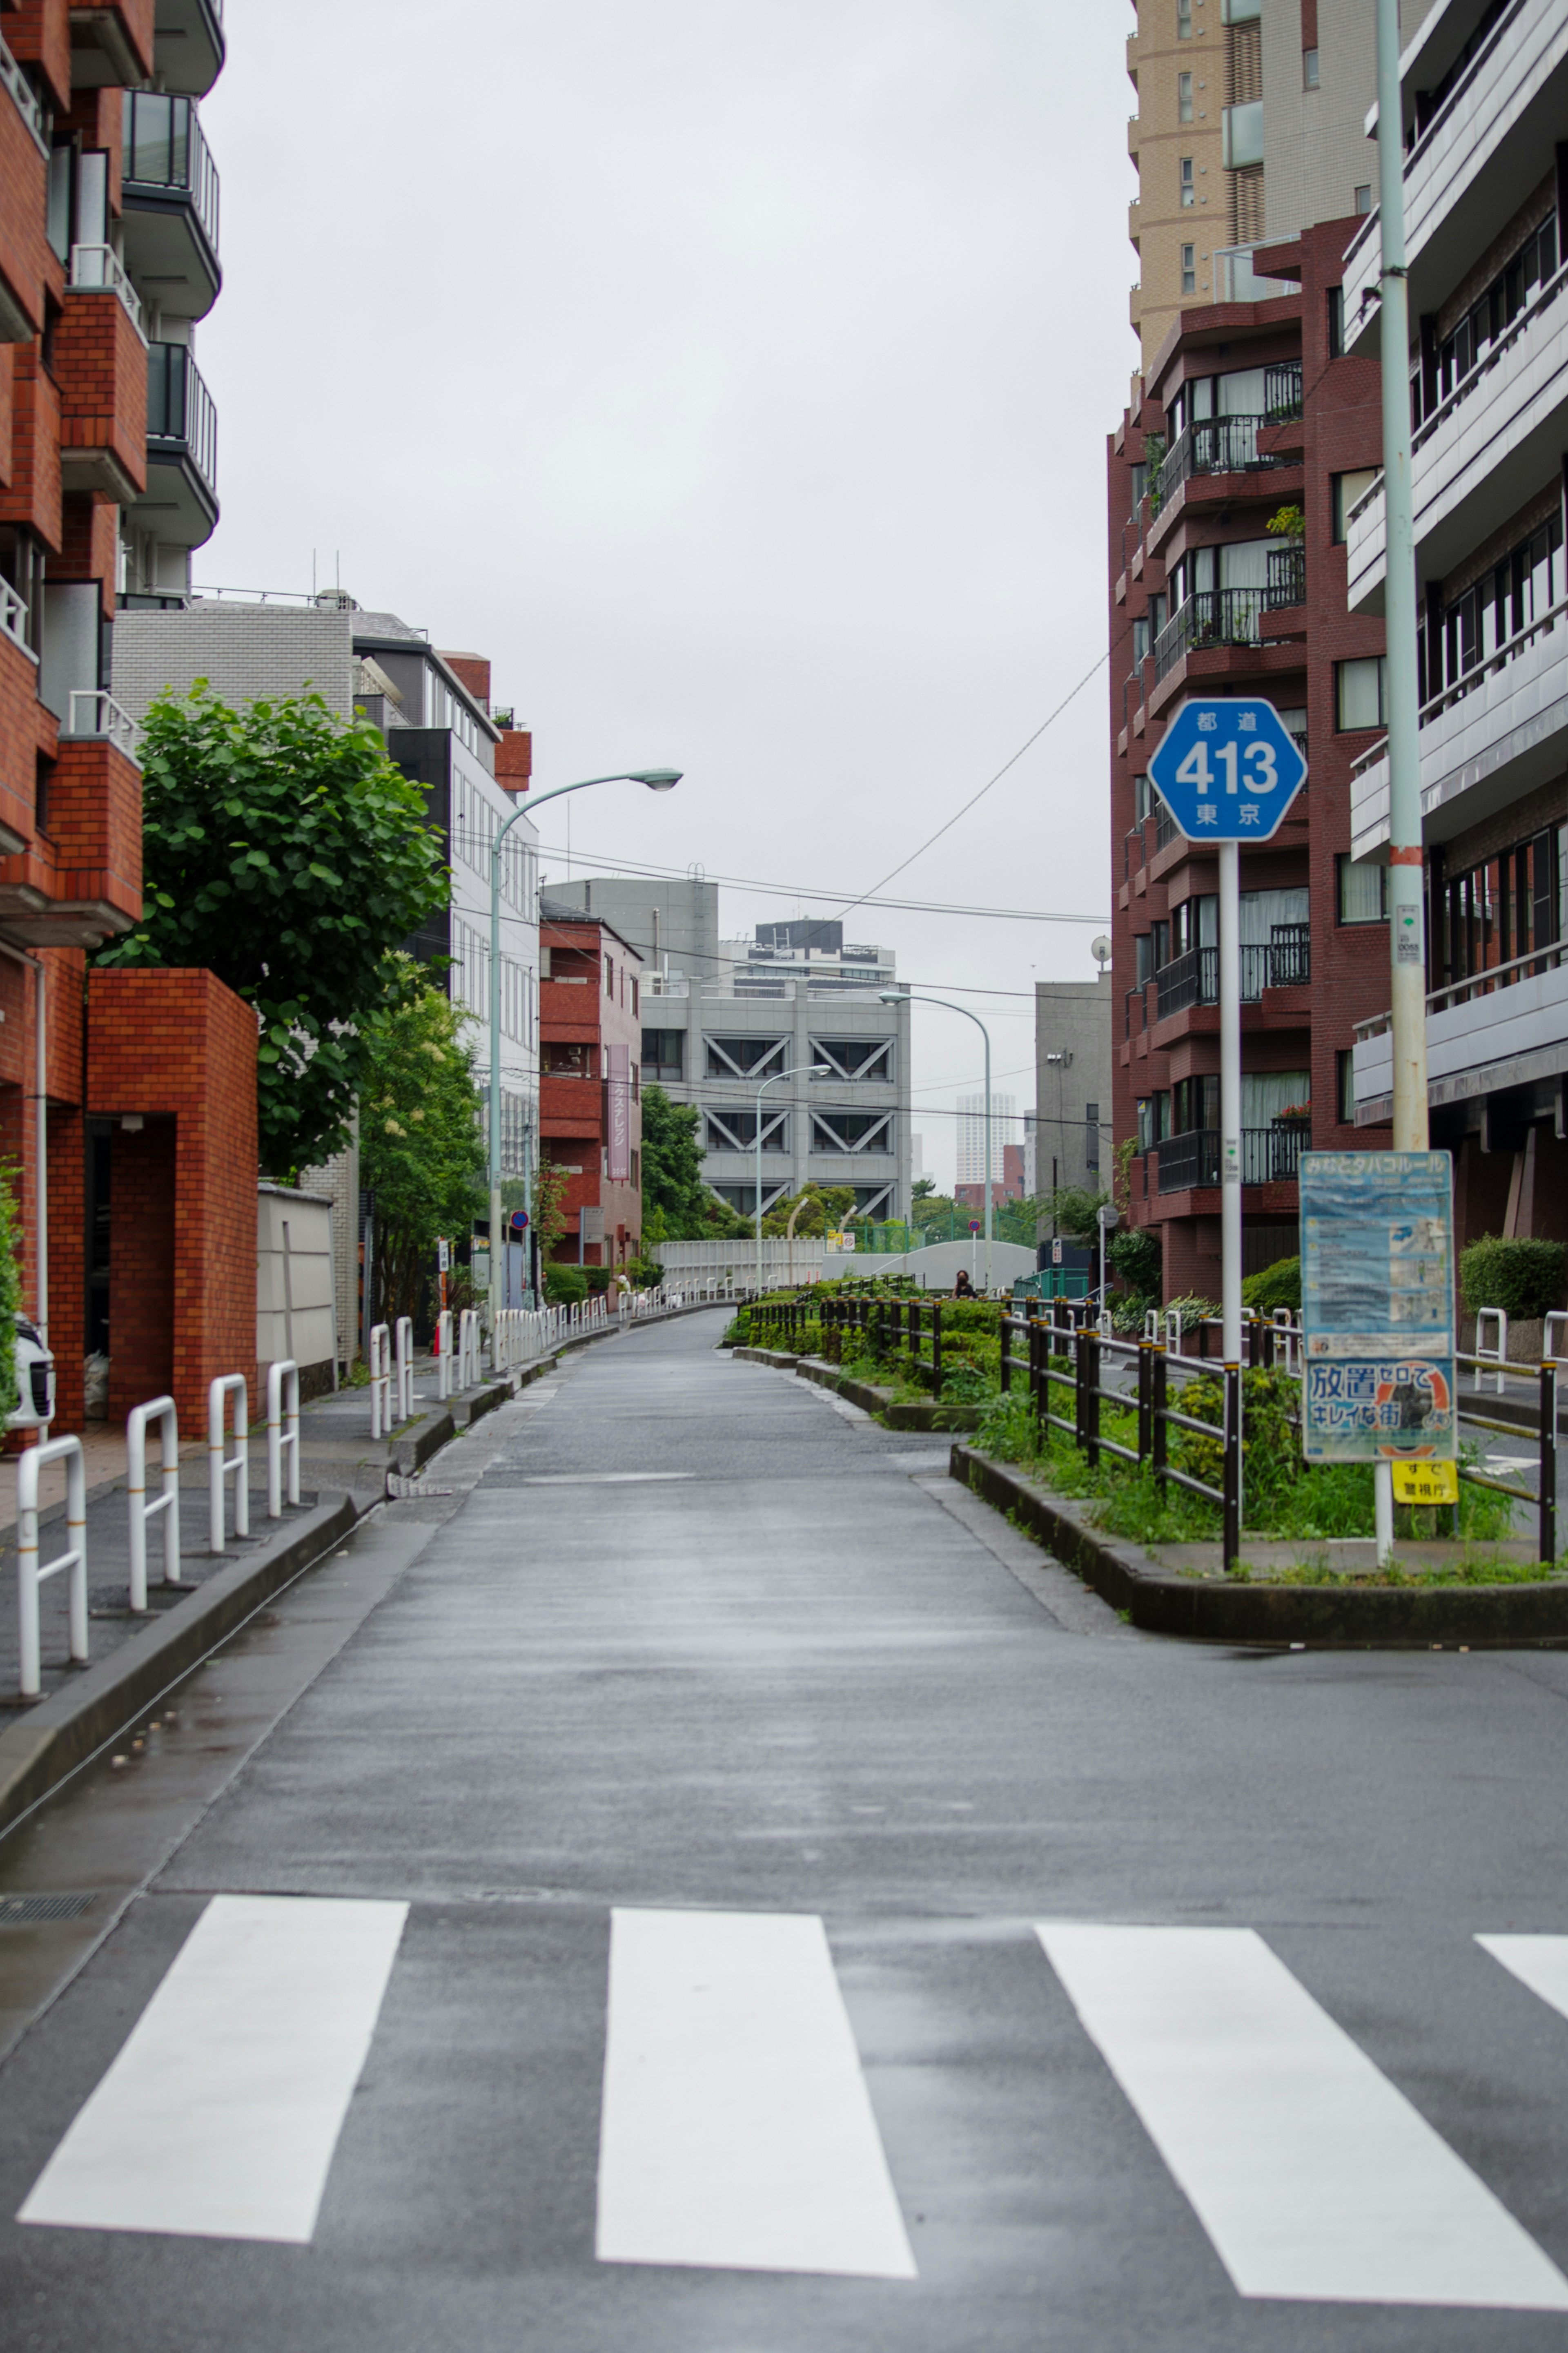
[(971, 1135)]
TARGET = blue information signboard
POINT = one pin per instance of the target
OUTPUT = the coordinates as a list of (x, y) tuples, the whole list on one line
[(1377, 1307), (1227, 770)]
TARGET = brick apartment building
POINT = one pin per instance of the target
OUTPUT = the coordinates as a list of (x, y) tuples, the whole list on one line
[(128, 1104), (590, 1022)]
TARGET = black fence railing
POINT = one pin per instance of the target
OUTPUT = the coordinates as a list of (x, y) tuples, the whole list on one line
[(1282, 392), (1211, 617), (1215, 445), (1270, 1155), (1283, 961), (1287, 578)]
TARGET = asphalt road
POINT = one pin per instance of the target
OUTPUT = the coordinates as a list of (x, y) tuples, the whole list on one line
[(704, 1883)]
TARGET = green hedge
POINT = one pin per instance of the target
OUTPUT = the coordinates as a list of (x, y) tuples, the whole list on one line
[(1278, 1285), (565, 1286), (1523, 1277)]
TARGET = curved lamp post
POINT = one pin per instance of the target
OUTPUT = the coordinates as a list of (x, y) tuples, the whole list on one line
[(912, 997), (801, 1071), (657, 780)]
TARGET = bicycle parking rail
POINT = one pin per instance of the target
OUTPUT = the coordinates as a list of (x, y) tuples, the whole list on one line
[(162, 1410), (468, 1344), (237, 1466), (72, 1562), (1485, 1355), (405, 1364), (279, 1440), (379, 1355), (444, 1353)]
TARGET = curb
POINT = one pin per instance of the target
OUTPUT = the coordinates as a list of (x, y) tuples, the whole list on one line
[(63, 1731), (1486, 1616)]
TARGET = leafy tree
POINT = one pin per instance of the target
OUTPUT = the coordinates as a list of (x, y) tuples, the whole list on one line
[(1134, 1253), (925, 1188), (677, 1206), (421, 1142), (1072, 1210), (549, 1185), (283, 852), (821, 1208)]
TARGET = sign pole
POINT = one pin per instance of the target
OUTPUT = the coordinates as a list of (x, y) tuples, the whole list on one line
[(1230, 1099)]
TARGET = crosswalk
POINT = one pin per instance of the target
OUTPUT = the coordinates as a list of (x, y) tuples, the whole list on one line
[(736, 2129)]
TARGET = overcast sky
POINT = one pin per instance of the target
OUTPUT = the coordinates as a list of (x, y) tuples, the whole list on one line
[(735, 375)]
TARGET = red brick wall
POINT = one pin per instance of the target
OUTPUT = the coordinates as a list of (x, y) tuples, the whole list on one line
[(25, 729), (515, 759), (33, 493), (88, 529), (179, 1044), (474, 671), (95, 824), (100, 366), (39, 33), (574, 1113)]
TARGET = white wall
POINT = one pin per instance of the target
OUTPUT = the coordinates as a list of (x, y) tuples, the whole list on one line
[(293, 1279)]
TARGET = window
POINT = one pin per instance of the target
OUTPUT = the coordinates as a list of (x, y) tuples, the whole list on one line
[(1143, 951), (1141, 804), (746, 1058), (1140, 475), (610, 978), (1360, 693), (1347, 489), (1363, 198), (1509, 597), (1091, 1135), (1153, 1119), (1309, 68), (1336, 323), (662, 1055), (1140, 642), (1194, 1105), (736, 1131), (637, 1172), (1362, 891), (1242, 135), (1183, 20), (1344, 1086), (1189, 270), (853, 1131), (868, 1062), (636, 1008), (1184, 98), (1189, 189)]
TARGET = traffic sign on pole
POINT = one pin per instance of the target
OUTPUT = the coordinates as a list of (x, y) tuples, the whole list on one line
[(1227, 770)]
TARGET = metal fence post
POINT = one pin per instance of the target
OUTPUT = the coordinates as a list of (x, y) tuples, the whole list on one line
[(168, 1502), (936, 1347), (1091, 1396), (1159, 1430), (1144, 1349), (1549, 1459), (218, 1469), (73, 1560), (379, 1352), (1005, 1365), (1232, 1483), (285, 1369)]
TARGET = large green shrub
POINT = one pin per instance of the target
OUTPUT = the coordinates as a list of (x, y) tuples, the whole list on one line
[(564, 1285), (1523, 1277), (1278, 1285)]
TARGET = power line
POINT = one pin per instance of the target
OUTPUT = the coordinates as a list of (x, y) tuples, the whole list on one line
[(800, 891)]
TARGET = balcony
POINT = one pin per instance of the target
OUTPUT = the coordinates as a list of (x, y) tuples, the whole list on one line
[(1283, 961), (1212, 616), (1507, 1027), (79, 883), (1498, 732), (181, 507), (100, 367), (1496, 437), (170, 193), (1270, 1155), (1492, 139), (188, 46), (1213, 444)]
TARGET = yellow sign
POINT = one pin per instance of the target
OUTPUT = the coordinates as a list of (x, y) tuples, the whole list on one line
[(1425, 1482)]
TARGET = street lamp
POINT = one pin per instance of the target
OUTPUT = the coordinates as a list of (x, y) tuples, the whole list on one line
[(910, 997), (801, 1069), (657, 780)]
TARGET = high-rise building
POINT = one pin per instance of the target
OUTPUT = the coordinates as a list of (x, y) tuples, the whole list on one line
[(971, 1135), (1071, 1133), (1252, 434), (1485, 102)]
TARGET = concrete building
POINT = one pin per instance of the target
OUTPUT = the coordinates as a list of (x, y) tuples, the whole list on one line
[(1072, 1120), (1484, 100), (672, 924), (808, 950), (590, 1084), (971, 1141)]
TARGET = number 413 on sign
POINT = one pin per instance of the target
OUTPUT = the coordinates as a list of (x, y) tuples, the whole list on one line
[(1258, 760)]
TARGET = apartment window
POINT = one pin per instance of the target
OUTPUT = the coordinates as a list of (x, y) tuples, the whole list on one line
[(1361, 694), (1309, 68), (1183, 20), (1344, 1086), (1153, 1119), (1091, 1135), (663, 1053), (1141, 804), (1362, 892), (1189, 186), (1347, 489), (1141, 640), (1189, 270), (610, 978), (1363, 198), (1184, 98)]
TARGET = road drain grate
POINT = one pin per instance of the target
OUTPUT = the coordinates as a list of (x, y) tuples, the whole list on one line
[(22, 1911)]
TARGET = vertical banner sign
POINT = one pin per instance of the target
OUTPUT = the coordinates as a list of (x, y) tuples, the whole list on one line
[(1377, 1307), (618, 1062)]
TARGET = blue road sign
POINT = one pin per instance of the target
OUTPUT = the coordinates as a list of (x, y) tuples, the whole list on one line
[(1227, 770), (519, 1221)]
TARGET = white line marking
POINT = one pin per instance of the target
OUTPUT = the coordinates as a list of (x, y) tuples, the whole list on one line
[(1539, 1962), (737, 2133), (219, 2118), (1311, 2174), (601, 1478)]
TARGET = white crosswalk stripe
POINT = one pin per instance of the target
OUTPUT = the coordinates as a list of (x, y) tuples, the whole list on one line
[(1312, 2175), (221, 2113), (1539, 1962), (736, 2130)]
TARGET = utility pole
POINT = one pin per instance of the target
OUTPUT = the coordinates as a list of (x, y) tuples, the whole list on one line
[(1406, 897)]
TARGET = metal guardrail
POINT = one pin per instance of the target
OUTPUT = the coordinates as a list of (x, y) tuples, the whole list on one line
[(98, 270), (93, 712), (162, 1410), (282, 1408), (222, 1468), (31, 1574), (403, 1356), (378, 1354)]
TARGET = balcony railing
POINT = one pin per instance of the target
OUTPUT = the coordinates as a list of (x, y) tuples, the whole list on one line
[(1287, 578), (1235, 281), (1283, 961), (13, 616), (27, 106), (1282, 392), (1215, 445), (1166, 826), (166, 154), (1211, 617), (93, 712), (98, 267), (1471, 681), (1270, 1155), (181, 418)]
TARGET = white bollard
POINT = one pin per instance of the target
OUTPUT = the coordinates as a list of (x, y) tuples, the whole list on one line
[(1498, 1354), (444, 1353), (239, 1462), (380, 1380), (405, 1368), (161, 1410), (29, 1575), (277, 1439)]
